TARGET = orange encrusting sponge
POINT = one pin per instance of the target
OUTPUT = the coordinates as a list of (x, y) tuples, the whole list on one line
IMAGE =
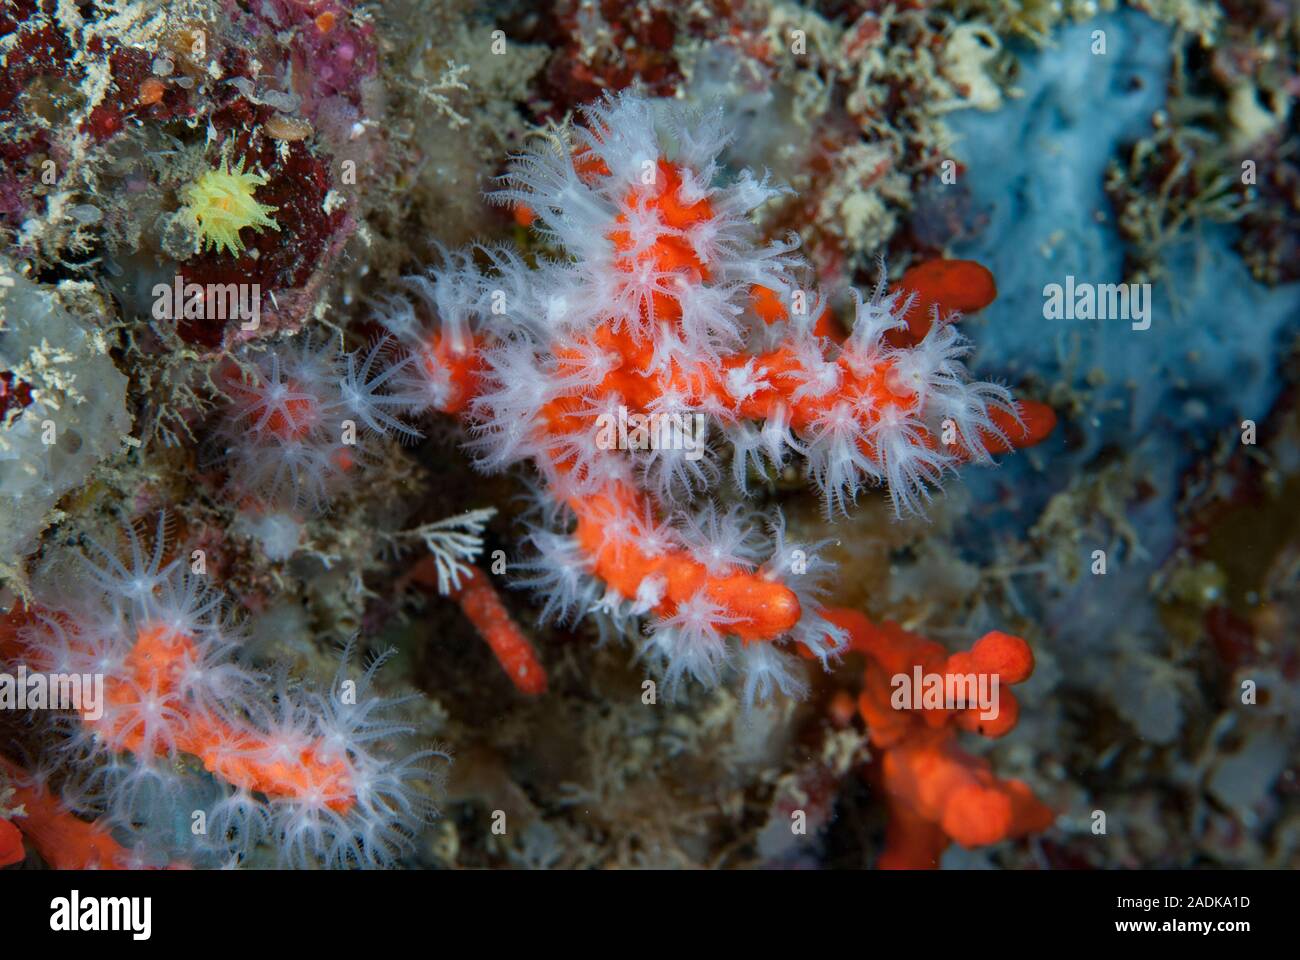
[(936, 792)]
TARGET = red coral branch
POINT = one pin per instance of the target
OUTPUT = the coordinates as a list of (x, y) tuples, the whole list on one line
[(511, 646)]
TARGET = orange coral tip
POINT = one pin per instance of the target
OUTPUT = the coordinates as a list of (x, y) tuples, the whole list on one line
[(514, 651), (1037, 421), (961, 286)]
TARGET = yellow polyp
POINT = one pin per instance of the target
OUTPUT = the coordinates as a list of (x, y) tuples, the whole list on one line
[(222, 203)]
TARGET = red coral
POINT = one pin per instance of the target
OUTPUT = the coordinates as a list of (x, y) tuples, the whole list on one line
[(63, 840), (673, 314), (482, 605), (511, 646)]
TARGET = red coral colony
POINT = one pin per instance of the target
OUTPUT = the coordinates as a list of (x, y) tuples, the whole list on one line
[(596, 434)]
